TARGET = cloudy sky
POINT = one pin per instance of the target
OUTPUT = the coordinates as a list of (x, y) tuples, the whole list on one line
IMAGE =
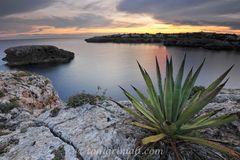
[(57, 17)]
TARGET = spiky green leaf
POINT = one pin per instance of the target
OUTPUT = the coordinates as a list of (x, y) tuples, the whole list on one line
[(177, 90)]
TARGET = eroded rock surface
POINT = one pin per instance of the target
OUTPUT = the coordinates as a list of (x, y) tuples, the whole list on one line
[(37, 143), (33, 92), (102, 132), (94, 130)]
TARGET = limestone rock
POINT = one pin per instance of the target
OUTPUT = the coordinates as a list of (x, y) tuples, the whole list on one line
[(104, 131), (38, 143), (33, 92), (95, 130)]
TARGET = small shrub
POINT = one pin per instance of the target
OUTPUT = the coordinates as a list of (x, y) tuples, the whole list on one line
[(54, 112), (59, 154), (83, 98), (1, 94), (18, 75), (21, 74), (6, 107), (196, 89), (86, 98)]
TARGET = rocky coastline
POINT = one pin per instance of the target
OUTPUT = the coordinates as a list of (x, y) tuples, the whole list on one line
[(36, 54), (51, 130), (211, 41)]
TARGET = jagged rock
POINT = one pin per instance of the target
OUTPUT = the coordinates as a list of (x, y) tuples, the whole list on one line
[(106, 128), (23, 55), (103, 131), (33, 92), (94, 130), (37, 143)]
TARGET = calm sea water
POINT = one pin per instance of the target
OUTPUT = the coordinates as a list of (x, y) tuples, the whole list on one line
[(110, 65)]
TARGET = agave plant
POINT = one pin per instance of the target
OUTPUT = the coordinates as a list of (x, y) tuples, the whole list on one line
[(170, 114)]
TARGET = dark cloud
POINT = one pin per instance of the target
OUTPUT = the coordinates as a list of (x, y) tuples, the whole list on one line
[(24, 25), (194, 12), (83, 20), (8, 7)]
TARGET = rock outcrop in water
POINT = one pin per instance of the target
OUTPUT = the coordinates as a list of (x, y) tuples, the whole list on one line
[(35, 54), (96, 132), (211, 41)]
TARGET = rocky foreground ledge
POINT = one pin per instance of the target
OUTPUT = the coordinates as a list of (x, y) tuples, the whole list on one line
[(87, 132), (35, 54)]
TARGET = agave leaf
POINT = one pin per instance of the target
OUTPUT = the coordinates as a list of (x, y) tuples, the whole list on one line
[(195, 97), (198, 71), (160, 87), (218, 80), (154, 138), (195, 107), (187, 80), (146, 101), (211, 144), (184, 97), (188, 88), (202, 118), (136, 115), (143, 97), (171, 71), (132, 113), (153, 129), (152, 93), (177, 90), (139, 107), (168, 93), (213, 122), (153, 96)]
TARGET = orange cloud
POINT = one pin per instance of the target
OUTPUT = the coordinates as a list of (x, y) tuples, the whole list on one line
[(153, 28)]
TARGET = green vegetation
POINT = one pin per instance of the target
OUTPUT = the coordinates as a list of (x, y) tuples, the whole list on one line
[(171, 115), (196, 89), (19, 74), (54, 112), (22, 74), (86, 98), (6, 107), (59, 154), (1, 94)]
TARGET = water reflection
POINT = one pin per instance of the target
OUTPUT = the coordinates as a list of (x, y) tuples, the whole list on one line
[(109, 65)]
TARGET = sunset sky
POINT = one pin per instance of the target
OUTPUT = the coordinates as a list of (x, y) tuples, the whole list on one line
[(56, 17)]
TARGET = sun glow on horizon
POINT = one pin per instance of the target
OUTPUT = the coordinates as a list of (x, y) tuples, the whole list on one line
[(152, 29)]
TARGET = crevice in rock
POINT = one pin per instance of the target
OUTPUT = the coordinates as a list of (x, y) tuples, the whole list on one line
[(64, 121), (40, 123), (108, 110)]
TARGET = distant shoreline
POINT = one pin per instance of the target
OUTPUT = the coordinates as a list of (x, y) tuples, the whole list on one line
[(211, 41)]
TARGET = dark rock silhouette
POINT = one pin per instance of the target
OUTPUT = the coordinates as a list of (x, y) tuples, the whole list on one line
[(211, 41), (35, 54)]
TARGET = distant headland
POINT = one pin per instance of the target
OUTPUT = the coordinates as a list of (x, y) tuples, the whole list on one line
[(211, 41)]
